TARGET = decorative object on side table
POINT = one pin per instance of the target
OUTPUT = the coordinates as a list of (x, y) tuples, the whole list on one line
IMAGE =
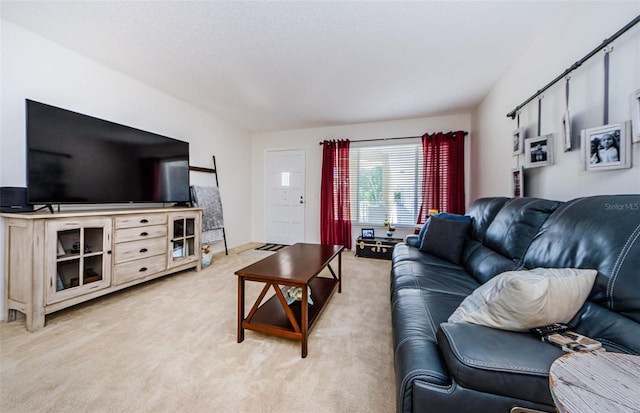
[(368, 233), (390, 231)]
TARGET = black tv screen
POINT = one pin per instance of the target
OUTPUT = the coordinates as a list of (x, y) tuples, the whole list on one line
[(75, 158)]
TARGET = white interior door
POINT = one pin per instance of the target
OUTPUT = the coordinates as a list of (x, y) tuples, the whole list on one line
[(284, 197)]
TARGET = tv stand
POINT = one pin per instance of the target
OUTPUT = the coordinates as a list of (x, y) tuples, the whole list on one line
[(54, 261)]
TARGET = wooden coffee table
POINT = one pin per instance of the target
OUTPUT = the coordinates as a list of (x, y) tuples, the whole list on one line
[(298, 265)]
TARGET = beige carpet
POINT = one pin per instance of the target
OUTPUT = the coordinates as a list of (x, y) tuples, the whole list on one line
[(170, 346)]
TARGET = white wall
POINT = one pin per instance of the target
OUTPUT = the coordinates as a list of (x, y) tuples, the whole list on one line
[(308, 140), (579, 29), (35, 68)]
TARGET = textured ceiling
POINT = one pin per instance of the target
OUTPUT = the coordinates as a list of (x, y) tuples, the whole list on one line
[(284, 65)]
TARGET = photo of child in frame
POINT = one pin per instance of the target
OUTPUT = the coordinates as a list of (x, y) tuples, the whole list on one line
[(605, 148)]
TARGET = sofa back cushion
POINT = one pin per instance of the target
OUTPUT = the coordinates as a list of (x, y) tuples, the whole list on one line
[(515, 225), (483, 211), (599, 232), (502, 230), (484, 263)]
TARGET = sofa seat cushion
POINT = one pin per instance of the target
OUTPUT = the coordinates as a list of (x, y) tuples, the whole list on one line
[(407, 250), (432, 273), (499, 362)]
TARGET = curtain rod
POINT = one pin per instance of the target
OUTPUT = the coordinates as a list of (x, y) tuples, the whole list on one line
[(577, 64), (388, 139)]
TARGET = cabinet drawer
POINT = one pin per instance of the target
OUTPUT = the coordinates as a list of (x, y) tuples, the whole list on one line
[(139, 233), (132, 270), (141, 220), (134, 250)]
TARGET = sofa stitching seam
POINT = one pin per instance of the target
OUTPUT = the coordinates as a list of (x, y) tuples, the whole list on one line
[(618, 264)]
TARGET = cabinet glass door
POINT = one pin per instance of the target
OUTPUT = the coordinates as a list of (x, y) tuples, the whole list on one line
[(82, 259), (183, 239)]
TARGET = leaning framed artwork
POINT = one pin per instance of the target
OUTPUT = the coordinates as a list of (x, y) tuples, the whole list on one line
[(518, 141), (538, 151), (607, 147)]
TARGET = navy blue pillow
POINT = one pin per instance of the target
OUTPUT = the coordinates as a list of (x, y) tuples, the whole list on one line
[(444, 215), (445, 238)]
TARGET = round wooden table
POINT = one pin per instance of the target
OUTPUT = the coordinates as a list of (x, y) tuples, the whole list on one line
[(596, 382)]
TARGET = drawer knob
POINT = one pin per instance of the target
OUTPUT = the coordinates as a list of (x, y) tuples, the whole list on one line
[(144, 234), (143, 269), (144, 221), (144, 250)]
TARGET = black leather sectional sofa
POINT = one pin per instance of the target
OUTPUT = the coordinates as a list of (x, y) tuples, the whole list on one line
[(460, 367)]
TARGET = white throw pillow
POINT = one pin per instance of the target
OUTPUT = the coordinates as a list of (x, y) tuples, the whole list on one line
[(520, 300)]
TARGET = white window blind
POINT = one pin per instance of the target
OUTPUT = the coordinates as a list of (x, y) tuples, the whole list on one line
[(385, 183)]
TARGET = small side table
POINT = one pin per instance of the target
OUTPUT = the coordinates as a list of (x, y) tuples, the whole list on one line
[(596, 382)]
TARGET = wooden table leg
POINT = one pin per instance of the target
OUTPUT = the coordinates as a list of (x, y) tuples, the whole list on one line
[(240, 309), (340, 272), (304, 320)]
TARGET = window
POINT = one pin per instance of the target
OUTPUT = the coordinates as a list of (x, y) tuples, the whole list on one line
[(385, 183)]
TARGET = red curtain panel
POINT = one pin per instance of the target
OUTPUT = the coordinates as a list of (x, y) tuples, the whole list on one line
[(443, 172), (335, 209)]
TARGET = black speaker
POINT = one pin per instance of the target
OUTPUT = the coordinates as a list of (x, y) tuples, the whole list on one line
[(14, 199)]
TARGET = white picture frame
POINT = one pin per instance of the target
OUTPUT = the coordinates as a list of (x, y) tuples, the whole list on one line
[(566, 131), (517, 182), (635, 116), (607, 147), (518, 141), (538, 151)]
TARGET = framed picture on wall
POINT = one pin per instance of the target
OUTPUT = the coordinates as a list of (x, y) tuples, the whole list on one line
[(566, 131), (538, 151), (517, 182), (518, 141), (635, 115), (607, 147)]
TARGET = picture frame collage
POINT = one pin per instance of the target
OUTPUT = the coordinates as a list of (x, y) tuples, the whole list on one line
[(602, 148)]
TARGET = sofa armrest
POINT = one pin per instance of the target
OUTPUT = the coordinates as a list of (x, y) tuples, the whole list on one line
[(499, 362), (412, 240)]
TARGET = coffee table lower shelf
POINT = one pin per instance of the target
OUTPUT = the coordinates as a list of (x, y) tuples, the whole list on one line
[(271, 317)]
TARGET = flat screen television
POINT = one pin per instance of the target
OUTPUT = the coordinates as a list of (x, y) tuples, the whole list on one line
[(75, 158)]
